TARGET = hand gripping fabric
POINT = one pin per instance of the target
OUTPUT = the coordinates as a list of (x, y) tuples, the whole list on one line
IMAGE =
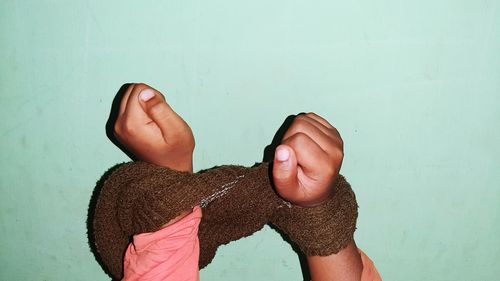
[(236, 201)]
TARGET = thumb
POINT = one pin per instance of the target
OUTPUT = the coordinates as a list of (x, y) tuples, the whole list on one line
[(285, 171), (161, 113)]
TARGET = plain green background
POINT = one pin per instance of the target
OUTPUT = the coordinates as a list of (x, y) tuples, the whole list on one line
[(413, 87)]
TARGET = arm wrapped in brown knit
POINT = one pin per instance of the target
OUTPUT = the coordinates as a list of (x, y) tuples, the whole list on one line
[(236, 202)]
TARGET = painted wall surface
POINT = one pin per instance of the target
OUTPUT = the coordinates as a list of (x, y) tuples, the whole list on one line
[(413, 87)]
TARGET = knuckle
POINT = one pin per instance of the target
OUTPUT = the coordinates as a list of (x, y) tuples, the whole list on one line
[(117, 135), (331, 170), (300, 116), (341, 154), (157, 110), (117, 128), (141, 86), (341, 143), (336, 161), (298, 125), (301, 120), (300, 136), (298, 139), (128, 128), (336, 153)]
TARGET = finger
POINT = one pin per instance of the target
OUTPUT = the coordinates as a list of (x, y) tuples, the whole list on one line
[(170, 123), (325, 138), (311, 158), (124, 101), (320, 119), (323, 122), (134, 111), (285, 171), (327, 130)]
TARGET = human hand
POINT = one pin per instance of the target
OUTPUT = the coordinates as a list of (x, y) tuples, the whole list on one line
[(149, 128), (308, 161)]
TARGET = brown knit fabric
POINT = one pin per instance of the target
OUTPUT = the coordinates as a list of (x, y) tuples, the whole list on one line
[(236, 202), (238, 213), (325, 229)]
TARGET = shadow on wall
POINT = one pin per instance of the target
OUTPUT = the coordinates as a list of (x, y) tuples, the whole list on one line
[(268, 156)]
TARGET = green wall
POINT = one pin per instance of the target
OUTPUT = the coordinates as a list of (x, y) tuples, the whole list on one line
[(413, 87)]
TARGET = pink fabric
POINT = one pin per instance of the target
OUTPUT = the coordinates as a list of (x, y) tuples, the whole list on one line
[(168, 254), (172, 253)]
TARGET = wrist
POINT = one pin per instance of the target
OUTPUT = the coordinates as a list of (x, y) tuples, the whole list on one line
[(344, 265), (325, 229), (184, 165)]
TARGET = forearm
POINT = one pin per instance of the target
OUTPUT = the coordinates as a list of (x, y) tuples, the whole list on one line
[(343, 266)]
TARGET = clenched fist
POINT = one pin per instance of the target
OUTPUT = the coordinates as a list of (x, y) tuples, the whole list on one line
[(308, 161), (149, 128)]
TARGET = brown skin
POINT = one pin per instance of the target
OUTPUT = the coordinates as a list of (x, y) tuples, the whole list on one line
[(149, 128), (152, 131), (305, 167), (308, 161)]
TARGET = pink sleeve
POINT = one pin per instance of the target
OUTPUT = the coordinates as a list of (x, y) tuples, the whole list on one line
[(369, 273), (169, 254)]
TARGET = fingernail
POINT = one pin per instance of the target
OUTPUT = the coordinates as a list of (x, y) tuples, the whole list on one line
[(146, 95), (282, 154)]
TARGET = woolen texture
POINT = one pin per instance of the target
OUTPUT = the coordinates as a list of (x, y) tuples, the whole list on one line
[(325, 229), (237, 201)]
